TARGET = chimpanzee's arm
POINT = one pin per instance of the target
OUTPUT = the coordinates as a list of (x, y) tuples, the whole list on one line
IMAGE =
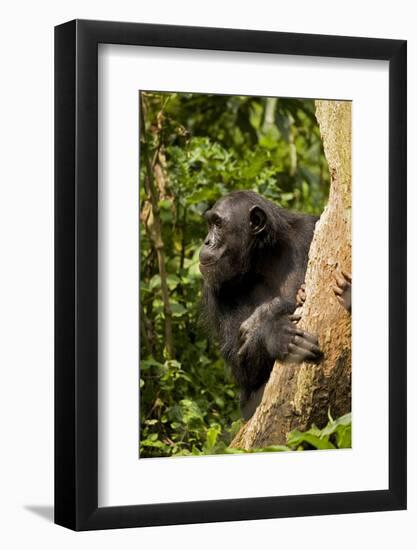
[(270, 333)]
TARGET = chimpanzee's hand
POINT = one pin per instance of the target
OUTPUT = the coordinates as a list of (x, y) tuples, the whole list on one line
[(252, 330), (343, 289), (279, 335), (290, 344)]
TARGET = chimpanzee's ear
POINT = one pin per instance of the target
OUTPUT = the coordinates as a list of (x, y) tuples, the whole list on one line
[(257, 219)]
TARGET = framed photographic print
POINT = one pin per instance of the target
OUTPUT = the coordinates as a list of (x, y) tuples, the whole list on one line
[(230, 252)]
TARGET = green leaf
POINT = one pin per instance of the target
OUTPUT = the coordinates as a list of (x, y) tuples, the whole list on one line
[(212, 435), (177, 310), (344, 437), (172, 281), (155, 282), (296, 438), (150, 443)]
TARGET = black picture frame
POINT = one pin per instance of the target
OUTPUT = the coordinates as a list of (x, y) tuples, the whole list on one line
[(76, 272)]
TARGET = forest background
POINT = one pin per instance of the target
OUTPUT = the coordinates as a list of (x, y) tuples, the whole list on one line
[(195, 148)]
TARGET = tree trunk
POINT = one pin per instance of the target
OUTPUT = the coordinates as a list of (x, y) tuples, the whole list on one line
[(298, 395)]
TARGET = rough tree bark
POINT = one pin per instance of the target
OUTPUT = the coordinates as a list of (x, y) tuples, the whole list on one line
[(298, 395)]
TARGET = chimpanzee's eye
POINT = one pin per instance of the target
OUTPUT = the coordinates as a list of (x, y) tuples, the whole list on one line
[(216, 220)]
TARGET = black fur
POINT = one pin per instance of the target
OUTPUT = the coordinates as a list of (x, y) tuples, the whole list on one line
[(253, 262)]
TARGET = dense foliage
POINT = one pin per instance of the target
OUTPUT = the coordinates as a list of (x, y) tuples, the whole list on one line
[(194, 149)]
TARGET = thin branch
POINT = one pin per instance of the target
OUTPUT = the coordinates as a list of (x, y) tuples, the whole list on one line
[(154, 230)]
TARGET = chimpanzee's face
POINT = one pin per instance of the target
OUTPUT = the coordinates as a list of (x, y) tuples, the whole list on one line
[(233, 224)]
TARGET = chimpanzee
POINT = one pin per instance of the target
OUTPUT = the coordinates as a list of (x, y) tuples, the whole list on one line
[(253, 262)]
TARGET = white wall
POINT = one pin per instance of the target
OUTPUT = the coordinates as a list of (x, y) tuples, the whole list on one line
[(26, 286)]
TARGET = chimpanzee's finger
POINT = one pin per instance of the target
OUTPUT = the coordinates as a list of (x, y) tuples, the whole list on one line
[(347, 276), (292, 330), (243, 349), (306, 335), (340, 281), (301, 342), (337, 290), (300, 297), (244, 330), (299, 355), (294, 318), (301, 347)]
